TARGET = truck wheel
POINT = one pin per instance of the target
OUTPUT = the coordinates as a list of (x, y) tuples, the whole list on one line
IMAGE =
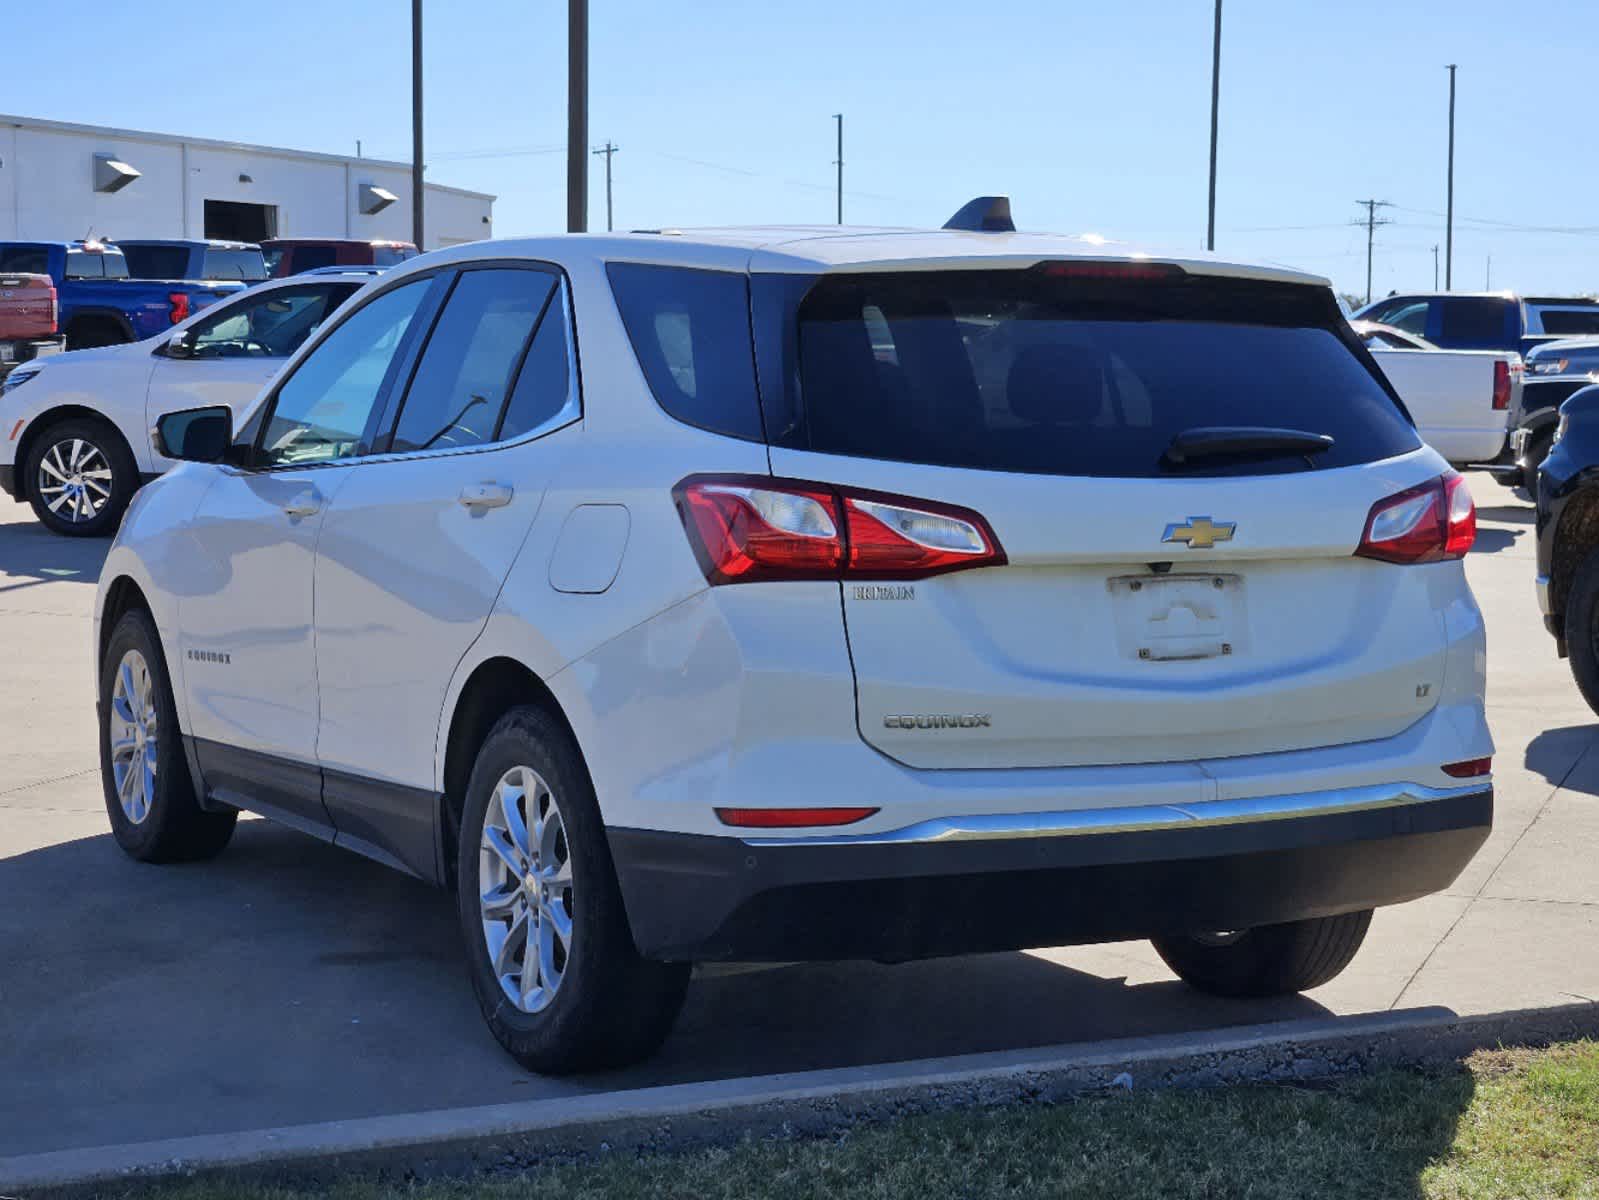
[(1269, 960), (90, 332), (1582, 628), (79, 476), (149, 794), (548, 946)]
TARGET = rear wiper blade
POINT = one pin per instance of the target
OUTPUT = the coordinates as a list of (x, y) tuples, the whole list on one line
[(1229, 441)]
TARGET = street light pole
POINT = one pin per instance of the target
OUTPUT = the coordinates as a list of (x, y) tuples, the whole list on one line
[(416, 125), (839, 163), (1449, 216), (1215, 106), (577, 116)]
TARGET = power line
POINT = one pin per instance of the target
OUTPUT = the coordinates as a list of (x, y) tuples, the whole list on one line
[(1372, 221)]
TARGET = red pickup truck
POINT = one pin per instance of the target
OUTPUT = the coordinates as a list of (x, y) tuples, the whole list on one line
[(294, 256), (29, 317)]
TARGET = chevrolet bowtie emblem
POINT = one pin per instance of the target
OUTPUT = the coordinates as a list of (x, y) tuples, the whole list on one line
[(1200, 533)]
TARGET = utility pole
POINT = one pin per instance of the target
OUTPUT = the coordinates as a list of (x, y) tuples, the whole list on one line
[(1488, 275), (1449, 215), (1215, 106), (608, 150), (416, 125), (577, 116), (839, 163), (1435, 266), (1371, 223)]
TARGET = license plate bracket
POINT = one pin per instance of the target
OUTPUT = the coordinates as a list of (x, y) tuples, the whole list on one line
[(1179, 618)]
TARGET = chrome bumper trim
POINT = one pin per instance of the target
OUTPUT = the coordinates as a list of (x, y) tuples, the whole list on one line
[(1541, 586), (1141, 818)]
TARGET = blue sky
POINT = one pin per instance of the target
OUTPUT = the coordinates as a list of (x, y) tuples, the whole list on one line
[(1091, 116)]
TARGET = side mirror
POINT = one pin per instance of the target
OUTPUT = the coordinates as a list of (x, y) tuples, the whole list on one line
[(180, 345), (195, 434)]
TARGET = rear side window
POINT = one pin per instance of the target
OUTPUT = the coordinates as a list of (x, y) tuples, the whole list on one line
[(466, 371), (1022, 371), (157, 262), (691, 334), (1578, 321), (1475, 323)]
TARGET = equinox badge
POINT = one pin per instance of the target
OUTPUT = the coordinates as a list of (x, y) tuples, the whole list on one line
[(1200, 533)]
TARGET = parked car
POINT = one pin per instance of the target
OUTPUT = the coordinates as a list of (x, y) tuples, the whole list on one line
[(1539, 415), (1086, 596), (1486, 320), (293, 256), (100, 304), (29, 320), (184, 259), (1462, 400), (1570, 356), (75, 430), (1566, 488)]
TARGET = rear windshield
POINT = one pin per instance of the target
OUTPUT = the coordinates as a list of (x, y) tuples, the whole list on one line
[(96, 264), (1569, 320), (1025, 371), (247, 265), (391, 256)]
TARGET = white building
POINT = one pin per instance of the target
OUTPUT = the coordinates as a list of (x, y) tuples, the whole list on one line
[(59, 182)]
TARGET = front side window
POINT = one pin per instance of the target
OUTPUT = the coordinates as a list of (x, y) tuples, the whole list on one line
[(690, 331), (465, 374), (272, 325), (321, 412)]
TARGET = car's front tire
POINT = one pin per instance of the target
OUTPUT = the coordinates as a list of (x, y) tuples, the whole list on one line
[(1268, 960), (149, 794), (1582, 628), (79, 477), (548, 946)]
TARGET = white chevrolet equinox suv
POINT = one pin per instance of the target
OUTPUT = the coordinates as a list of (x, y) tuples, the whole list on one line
[(795, 594)]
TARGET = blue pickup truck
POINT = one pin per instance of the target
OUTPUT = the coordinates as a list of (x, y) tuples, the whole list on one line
[(99, 304), (209, 259)]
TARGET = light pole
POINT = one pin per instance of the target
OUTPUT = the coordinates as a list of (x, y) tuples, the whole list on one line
[(839, 163), (577, 116), (1215, 107), (416, 125), (607, 151)]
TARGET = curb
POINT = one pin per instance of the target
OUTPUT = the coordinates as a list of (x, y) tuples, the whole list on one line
[(812, 1102)]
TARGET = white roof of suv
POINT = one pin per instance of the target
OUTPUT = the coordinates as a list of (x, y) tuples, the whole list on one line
[(802, 249)]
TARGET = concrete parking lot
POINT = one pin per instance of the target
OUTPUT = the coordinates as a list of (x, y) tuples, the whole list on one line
[(287, 982)]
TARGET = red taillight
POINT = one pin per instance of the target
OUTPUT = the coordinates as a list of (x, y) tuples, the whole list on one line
[(791, 818), (1501, 386), (1471, 768), (750, 528), (1428, 523), (180, 306), (1100, 269)]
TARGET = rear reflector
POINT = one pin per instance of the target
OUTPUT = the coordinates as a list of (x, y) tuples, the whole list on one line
[(751, 528), (1501, 386), (1428, 523), (791, 818), (1470, 769)]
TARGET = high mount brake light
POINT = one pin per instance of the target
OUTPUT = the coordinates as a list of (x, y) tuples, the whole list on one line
[(1100, 269), (752, 528), (1431, 522)]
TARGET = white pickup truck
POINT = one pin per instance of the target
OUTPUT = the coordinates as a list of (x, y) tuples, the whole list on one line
[(1464, 401)]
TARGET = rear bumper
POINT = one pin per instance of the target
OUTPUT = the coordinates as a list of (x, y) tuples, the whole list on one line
[(957, 887)]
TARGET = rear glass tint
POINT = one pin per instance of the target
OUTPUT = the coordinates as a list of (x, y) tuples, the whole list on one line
[(157, 262), (1475, 322), (1019, 371), (1569, 320), (690, 331)]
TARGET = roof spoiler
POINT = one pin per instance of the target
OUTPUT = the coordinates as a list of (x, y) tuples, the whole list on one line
[(986, 214)]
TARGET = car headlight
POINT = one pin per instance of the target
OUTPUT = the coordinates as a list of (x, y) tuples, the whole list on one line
[(17, 378)]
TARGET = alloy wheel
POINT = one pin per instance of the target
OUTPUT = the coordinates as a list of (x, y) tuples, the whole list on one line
[(133, 733), (75, 480), (525, 873)]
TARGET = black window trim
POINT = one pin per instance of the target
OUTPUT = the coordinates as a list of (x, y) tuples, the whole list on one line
[(426, 312), (570, 413)]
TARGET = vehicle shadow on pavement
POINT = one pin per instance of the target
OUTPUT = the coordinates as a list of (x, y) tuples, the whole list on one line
[(1517, 515), (31, 555), (1564, 757), (1491, 540), (289, 982)]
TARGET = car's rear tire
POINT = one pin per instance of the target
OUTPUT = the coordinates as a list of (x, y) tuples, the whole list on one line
[(1582, 628), (149, 793), (1269, 960), (588, 1000), (79, 476)]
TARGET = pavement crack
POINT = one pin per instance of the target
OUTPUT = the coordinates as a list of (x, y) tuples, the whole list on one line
[(12, 791)]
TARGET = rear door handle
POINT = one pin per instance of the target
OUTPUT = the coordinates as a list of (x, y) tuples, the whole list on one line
[(486, 495), (306, 504)]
